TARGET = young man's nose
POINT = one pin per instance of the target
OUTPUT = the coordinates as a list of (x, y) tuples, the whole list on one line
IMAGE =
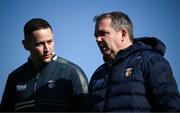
[(46, 48)]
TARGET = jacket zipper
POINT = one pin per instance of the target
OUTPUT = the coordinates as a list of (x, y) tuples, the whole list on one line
[(108, 88), (36, 81), (35, 85)]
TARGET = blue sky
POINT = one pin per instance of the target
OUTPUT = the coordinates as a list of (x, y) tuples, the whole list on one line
[(73, 27)]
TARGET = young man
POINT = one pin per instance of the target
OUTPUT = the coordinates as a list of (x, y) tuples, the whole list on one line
[(135, 76), (45, 82)]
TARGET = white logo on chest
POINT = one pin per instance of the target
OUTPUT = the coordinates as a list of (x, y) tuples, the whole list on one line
[(21, 87), (51, 84)]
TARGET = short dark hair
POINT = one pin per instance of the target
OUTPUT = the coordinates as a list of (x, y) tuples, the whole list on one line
[(33, 25), (119, 20)]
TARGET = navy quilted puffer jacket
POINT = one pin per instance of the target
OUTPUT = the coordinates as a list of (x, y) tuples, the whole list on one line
[(140, 79)]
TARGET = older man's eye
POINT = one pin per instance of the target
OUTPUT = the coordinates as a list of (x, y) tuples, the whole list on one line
[(104, 33), (101, 33)]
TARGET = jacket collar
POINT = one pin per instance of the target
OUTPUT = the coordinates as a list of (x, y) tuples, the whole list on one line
[(139, 44)]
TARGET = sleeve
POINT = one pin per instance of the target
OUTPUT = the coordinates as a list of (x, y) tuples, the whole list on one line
[(7, 98), (80, 90), (161, 86)]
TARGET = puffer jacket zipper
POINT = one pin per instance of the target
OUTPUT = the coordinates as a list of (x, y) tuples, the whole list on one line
[(108, 87)]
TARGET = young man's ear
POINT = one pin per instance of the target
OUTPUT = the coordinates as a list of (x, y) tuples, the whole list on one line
[(25, 44)]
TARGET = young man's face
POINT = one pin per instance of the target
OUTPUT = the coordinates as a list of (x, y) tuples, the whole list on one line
[(41, 45)]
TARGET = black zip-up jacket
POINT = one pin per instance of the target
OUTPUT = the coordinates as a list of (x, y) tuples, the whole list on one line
[(138, 80), (60, 86)]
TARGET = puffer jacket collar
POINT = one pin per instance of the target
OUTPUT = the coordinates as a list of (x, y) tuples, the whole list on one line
[(139, 44)]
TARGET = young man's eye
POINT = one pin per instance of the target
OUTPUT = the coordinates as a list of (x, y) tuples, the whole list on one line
[(38, 44), (50, 41)]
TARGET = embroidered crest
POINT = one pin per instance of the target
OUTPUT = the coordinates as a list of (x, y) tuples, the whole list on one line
[(51, 84), (128, 72), (21, 87)]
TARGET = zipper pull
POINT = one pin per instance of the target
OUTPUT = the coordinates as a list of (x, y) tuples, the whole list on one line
[(36, 79)]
